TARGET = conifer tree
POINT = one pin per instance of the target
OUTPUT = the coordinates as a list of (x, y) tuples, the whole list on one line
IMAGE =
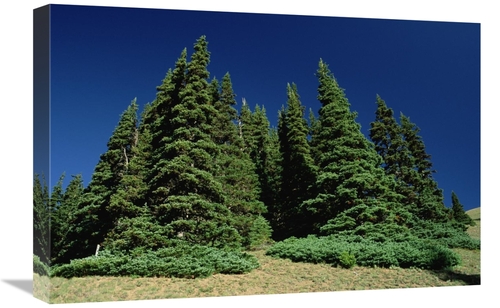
[(385, 134), (186, 197), (63, 221), (387, 137), (236, 171), (41, 219), (297, 166), (458, 212), (351, 188), (261, 142), (224, 129), (56, 196), (158, 118), (270, 189), (427, 198), (405, 158), (95, 218)]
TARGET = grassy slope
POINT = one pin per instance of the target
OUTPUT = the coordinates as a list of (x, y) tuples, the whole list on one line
[(475, 214), (275, 276)]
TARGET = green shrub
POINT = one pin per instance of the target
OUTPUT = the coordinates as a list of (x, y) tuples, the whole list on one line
[(39, 267), (341, 249), (180, 260), (347, 260), (260, 234)]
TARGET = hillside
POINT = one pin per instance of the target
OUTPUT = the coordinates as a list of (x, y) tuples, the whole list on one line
[(475, 214)]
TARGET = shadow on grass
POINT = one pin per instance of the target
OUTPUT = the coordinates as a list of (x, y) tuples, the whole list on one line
[(447, 275)]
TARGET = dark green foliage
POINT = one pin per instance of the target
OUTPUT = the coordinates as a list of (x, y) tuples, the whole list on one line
[(385, 134), (63, 239), (261, 143), (297, 169), (41, 219), (349, 176), (137, 232), (427, 197), (96, 215), (235, 169), (405, 158), (40, 267), (184, 195), (179, 260), (449, 234), (259, 234), (345, 250), (458, 212)]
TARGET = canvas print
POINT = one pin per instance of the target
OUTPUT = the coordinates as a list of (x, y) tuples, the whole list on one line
[(182, 154)]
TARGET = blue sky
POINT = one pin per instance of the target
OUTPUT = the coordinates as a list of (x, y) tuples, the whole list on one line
[(102, 58)]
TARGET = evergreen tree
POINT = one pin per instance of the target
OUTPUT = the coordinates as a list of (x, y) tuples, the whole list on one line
[(135, 227), (350, 181), (405, 158), (297, 166), (158, 118), (236, 171), (261, 142), (63, 221), (186, 197), (458, 212), (56, 196), (271, 186), (385, 134), (96, 216), (224, 130), (427, 198), (41, 219), (387, 137)]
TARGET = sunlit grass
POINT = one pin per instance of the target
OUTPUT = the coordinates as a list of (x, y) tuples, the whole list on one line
[(275, 276), (475, 214)]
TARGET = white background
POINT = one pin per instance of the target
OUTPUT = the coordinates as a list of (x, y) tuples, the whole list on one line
[(16, 148)]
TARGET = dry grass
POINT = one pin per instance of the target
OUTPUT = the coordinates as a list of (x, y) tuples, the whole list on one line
[(275, 276), (475, 214)]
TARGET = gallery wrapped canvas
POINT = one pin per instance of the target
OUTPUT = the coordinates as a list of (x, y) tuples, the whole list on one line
[(202, 154)]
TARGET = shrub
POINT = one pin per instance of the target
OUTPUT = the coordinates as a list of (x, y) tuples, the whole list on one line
[(347, 260), (341, 249), (180, 260), (39, 267)]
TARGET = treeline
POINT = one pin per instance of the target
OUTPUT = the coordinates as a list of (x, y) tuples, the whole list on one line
[(192, 169)]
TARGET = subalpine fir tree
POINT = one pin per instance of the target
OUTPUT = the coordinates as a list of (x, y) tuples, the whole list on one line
[(63, 221), (135, 227), (404, 157), (129, 200), (262, 144), (297, 166), (458, 212), (186, 197), (351, 188), (158, 118), (385, 134), (95, 216), (236, 171), (427, 198), (41, 219)]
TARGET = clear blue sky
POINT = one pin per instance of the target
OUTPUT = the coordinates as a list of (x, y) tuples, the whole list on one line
[(102, 58)]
